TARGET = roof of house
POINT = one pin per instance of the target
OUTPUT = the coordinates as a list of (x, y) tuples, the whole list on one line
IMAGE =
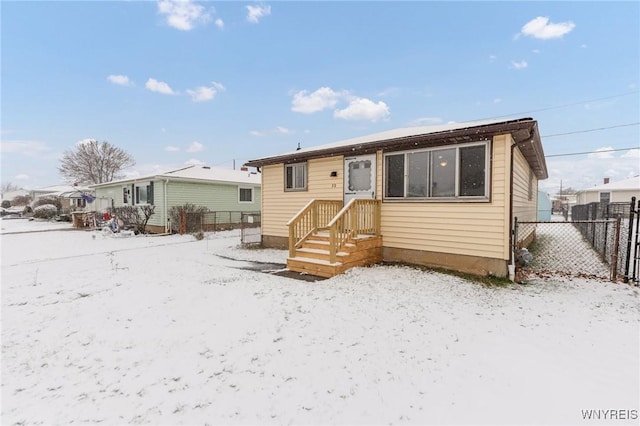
[(196, 173), (524, 131), (620, 185), (62, 190)]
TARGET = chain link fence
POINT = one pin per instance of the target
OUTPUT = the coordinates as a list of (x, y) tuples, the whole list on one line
[(596, 243), (193, 222)]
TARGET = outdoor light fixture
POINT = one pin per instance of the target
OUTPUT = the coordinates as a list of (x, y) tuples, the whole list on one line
[(443, 162), (333, 174)]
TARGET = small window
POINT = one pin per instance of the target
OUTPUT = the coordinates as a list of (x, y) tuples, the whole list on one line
[(125, 196), (295, 177), (245, 195), (605, 197)]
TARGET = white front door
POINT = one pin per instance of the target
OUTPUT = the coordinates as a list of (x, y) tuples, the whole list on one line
[(359, 177)]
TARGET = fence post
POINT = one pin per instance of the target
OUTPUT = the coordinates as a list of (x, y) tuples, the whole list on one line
[(183, 222), (630, 237), (616, 248)]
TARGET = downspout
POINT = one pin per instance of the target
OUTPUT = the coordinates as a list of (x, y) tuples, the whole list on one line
[(512, 248), (166, 212)]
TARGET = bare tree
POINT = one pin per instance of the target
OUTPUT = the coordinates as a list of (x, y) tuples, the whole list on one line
[(94, 162), (8, 187)]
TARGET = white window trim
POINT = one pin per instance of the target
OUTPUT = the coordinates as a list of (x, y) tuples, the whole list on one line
[(252, 194), (140, 185), (456, 198), (306, 177)]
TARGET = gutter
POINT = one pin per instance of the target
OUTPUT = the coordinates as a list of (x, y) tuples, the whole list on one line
[(166, 212)]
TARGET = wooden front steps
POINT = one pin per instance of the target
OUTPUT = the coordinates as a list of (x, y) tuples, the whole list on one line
[(312, 256)]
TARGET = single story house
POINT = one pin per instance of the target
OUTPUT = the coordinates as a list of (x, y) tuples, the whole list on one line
[(71, 197), (611, 192), (220, 190), (441, 196)]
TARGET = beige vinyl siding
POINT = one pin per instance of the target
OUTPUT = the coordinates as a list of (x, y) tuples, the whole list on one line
[(278, 206), (524, 209), (467, 228)]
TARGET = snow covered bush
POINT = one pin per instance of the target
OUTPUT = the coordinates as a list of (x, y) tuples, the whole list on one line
[(47, 200), (45, 211)]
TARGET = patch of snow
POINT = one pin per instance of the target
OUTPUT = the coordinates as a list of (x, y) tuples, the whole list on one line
[(168, 330)]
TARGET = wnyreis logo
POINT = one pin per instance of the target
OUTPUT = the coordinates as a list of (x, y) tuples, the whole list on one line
[(609, 414)]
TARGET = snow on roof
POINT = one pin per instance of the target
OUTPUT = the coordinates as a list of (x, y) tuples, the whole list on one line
[(621, 185), (61, 190), (402, 132), (198, 172), (214, 174)]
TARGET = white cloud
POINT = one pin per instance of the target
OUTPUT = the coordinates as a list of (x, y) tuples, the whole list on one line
[(85, 141), (203, 93), (583, 46), (171, 148), (604, 152), (193, 162), (195, 146), (256, 133), (29, 148), (255, 13), (159, 87), (219, 23), (121, 80), (492, 58), (426, 121), (542, 29), (21, 176), (519, 65), (497, 100), (363, 109), (308, 103), (282, 130), (183, 15), (586, 171), (536, 51)]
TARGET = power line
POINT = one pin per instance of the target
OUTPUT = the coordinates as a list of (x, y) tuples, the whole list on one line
[(592, 152), (563, 105), (592, 130)]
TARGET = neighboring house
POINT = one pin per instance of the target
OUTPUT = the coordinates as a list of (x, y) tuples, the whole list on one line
[(442, 196), (611, 192), (70, 196), (221, 190), (544, 207), (10, 195)]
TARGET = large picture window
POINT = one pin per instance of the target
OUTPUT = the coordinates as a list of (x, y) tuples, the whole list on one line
[(144, 193), (295, 177), (459, 172)]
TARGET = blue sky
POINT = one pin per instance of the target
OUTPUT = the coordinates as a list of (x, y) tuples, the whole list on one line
[(177, 83)]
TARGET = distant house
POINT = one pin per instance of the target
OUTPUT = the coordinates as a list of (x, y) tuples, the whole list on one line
[(70, 196), (611, 192), (217, 189), (442, 196), (10, 195)]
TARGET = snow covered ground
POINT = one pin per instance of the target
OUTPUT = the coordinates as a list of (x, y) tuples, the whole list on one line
[(171, 330)]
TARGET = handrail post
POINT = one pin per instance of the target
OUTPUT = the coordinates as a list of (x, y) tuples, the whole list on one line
[(378, 215), (292, 241), (332, 244), (353, 216)]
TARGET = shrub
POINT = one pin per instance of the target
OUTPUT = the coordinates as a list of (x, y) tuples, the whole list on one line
[(175, 214), (6, 204), (21, 200), (45, 211), (47, 200), (199, 235)]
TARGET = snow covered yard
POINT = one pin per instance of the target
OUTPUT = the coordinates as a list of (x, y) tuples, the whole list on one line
[(169, 330)]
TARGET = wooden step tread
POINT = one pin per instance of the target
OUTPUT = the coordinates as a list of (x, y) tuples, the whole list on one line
[(311, 260)]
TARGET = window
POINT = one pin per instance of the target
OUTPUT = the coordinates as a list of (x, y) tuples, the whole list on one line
[(440, 173), (144, 193), (295, 177), (605, 197), (245, 195), (125, 196)]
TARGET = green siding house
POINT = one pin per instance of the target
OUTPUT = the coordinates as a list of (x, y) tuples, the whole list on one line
[(219, 190)]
